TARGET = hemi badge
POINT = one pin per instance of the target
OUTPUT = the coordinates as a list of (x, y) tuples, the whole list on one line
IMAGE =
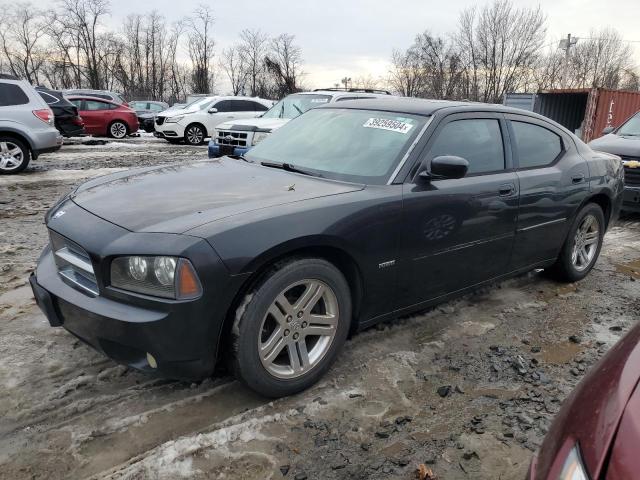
[(390, 263)]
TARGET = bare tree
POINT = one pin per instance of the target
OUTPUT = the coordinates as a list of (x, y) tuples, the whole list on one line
[(200, 43), (406, 75), (22, 32), (441, 65), (234, 65), (283, 62), (253, 46), (499, 44)]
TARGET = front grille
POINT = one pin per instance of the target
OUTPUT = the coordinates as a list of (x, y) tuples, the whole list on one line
[(74, 264), (159, 120), (631, 175), (234, 139)]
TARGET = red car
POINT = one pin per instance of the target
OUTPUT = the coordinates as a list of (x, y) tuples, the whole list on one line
[(104, 118), (596, 434)]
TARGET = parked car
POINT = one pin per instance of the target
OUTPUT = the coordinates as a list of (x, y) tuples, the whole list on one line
[(198, 120), (323, 228), (103, 94), (26, 125), (625, 142), (597, 432), (147, 111), (103, 118), (236, 137), (66, 117)]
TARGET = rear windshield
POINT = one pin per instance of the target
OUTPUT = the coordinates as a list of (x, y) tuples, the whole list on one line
[(363, 146), (295, 105)]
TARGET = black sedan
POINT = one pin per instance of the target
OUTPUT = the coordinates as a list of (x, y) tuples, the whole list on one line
[(351, 214)]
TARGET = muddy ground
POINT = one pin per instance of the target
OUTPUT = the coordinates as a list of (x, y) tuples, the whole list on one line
[(468, 388)]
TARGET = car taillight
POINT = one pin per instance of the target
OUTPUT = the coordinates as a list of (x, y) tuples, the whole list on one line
[(44, 114)]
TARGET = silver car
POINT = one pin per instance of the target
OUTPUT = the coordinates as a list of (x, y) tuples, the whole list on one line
[(26, 125)]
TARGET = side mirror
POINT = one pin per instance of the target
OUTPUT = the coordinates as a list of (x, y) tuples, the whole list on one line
[(213, 110), (607, 130), (445, 166)]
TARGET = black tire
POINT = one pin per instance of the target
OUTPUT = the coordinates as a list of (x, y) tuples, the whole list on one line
[(8, 161), (564, 269), (118, 129), (194, 134), (246, 332)]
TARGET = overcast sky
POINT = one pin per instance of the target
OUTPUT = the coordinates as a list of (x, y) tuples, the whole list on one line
[(356, 37)]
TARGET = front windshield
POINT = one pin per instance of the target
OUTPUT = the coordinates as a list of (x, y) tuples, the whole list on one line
[(294, 105), (631, 128), (362, 146), (201, 103)]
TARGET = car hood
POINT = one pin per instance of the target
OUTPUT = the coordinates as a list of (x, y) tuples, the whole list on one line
[(178, 198), (252, 124), (612, 143)]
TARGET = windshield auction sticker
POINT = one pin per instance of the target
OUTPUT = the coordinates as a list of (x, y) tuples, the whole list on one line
[(387, 124)]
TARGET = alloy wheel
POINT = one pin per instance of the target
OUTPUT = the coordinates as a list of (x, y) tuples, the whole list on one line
[(11, 156), (585, 243), (195, 136), (298, 329), (118, 130)]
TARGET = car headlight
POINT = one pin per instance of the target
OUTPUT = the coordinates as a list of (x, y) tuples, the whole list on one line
[(573, 468), (159, 276), (174, 119), (258, 137)]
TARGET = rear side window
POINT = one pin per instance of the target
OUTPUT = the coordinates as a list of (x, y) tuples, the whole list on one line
[(11, 94), (479, 141), (536, 145), (258, 107), (225, 106), (96, 105)]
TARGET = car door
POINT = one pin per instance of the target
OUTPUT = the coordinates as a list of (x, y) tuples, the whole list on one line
[(553, 181), (95, 114), (459, 232)]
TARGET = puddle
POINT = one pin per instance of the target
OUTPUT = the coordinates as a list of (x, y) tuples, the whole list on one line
[(631, 268), (559, 353)]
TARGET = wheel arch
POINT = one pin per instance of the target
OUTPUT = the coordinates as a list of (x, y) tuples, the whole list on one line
[(22, 138), (201, 125), (266, 263), (604, 201)]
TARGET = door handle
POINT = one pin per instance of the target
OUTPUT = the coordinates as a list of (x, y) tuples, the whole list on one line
[(577, 178), (507, 189)]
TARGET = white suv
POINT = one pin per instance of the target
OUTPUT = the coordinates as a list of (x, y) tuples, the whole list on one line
[(236, 137), (197, 120)]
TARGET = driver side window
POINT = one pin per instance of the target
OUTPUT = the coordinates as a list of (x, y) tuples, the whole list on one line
[(479, 141)]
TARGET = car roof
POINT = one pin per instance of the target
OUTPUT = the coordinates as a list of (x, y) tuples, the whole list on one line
[(83, 96), (426, 107)]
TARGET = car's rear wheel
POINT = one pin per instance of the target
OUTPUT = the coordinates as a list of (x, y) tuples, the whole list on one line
[(291, 327), (118, 130), (194, 134), (582, 246), (14, 155)]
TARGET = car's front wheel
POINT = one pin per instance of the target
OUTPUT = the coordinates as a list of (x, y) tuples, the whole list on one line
[(118, 130), (582, 246), (194, 135), (291, 327), (14, 155)]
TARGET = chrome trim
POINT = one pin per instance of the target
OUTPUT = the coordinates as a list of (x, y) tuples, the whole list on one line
[(75, 260), (544, 224), (79, 281), (411, 147)]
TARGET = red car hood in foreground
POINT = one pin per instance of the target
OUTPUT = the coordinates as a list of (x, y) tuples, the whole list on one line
[(601, 415)]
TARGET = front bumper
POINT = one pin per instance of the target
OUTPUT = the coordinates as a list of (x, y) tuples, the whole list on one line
[(631, 199), (182, 336), (215, 150), (169, 130)]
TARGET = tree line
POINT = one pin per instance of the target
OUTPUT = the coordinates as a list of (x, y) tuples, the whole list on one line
[(498, 48), (70, 46)]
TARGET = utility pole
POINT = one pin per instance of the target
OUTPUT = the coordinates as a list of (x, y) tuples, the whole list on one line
[(566, 44)]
